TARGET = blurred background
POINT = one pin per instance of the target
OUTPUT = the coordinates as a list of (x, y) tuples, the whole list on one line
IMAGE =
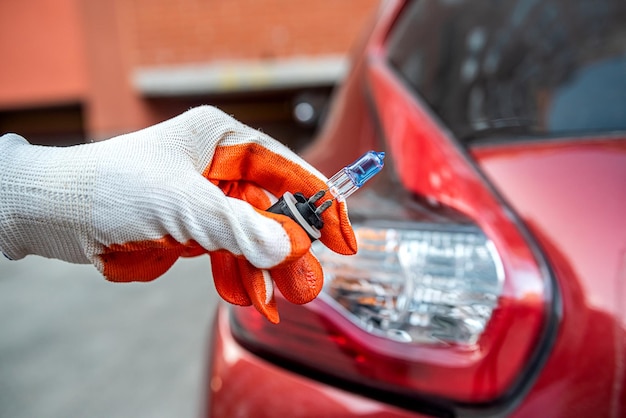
[(73, 71), (82, 69)]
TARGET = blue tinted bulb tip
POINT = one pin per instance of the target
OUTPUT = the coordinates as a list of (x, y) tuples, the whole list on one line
[(350, 178), (365, 167)]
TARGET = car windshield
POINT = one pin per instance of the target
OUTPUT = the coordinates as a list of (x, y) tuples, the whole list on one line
[(516, 69)]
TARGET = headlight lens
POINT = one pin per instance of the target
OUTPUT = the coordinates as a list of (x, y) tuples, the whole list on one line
[(433, 285)]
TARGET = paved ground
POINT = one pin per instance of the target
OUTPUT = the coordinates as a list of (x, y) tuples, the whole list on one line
[(74, 345)]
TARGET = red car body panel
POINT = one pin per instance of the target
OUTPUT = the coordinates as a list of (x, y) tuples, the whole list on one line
[(244, 385), (559, 188)]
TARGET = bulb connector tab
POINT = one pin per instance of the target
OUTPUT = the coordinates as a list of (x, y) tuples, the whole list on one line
[(303, 211)]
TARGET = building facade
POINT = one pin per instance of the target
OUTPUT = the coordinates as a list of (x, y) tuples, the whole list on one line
[(76, 70)]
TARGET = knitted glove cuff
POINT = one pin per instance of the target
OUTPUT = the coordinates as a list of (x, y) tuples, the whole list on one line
[(44, 192)]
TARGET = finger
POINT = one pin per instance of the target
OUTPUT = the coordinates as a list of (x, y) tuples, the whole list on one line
[(301, 281), (273, 167), (258, 285), (227, 278), (216, 221), (259, 198), (337, 233), (193, 249), (248, 191), (262, 199), (138, 261)]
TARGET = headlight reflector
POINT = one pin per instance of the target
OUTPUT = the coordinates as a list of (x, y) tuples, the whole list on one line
[(436, 285)]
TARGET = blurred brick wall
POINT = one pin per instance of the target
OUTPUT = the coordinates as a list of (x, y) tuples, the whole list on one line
[(188, 31), (41, 48), (82, 55)]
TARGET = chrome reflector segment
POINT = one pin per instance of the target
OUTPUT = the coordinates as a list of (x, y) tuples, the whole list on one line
[(435, 284)]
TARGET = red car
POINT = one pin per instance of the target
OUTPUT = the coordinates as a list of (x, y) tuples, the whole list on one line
[(491, 273)]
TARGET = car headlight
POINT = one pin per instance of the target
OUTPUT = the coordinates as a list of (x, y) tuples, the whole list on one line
[(431, 285)]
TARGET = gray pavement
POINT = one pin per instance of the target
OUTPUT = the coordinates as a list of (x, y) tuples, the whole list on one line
[(74, 345)]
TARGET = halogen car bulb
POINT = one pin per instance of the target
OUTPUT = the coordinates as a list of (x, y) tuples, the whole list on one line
[(341, 185)]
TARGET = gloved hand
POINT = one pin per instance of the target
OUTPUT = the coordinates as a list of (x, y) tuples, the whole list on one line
[(196, 183)]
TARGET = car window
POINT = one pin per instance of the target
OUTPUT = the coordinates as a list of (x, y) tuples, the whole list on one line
[(517, 68)]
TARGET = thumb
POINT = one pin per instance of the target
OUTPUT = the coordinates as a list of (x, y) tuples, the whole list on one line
[(216, 221)]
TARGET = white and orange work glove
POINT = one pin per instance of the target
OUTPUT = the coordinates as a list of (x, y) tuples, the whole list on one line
[(197, 183)]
